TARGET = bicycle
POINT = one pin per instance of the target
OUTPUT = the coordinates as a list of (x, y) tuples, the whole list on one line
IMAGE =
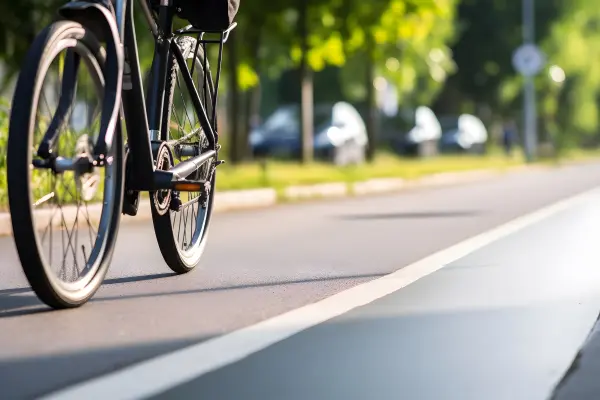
[(159, 157)]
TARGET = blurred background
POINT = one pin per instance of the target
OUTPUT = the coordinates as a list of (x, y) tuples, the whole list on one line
[(323, 90)]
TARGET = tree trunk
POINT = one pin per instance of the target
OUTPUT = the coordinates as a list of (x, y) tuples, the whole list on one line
[(234, 100), (306, 85), (372, 112), (251, 113), (252, 98)]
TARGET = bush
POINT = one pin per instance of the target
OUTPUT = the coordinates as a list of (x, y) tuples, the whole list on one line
[(4, 117)]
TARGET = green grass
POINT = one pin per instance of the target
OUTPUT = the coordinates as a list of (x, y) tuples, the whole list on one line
[(282, 174), (279, 174)]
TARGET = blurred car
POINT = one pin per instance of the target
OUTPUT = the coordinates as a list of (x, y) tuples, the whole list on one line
[(413, 132), (465, 133), (340, 135)]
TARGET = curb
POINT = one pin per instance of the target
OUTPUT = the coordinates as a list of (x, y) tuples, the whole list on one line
[(244, 199), (452, 178), (325, 190), (377, 186), (261, 198)]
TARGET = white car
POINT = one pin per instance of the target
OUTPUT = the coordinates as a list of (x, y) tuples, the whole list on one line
[(463, 133)]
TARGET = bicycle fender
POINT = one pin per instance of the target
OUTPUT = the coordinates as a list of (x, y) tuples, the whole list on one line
[(102, 22)]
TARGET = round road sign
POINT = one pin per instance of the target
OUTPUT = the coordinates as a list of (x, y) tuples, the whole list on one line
[(528, 60)]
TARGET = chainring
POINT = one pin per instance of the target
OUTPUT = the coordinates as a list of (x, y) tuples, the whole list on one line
[(164, 162)]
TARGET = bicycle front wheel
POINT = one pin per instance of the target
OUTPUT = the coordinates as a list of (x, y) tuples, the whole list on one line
[(65, 219)]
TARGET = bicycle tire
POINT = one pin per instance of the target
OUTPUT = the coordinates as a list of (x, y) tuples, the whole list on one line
[(179, 260), (19, 162)]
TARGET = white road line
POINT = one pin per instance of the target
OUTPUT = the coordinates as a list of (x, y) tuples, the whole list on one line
[(159, 374)]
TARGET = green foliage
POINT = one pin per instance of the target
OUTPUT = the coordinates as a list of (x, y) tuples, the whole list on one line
[(404, 30), (569, 34), (456, 51), (4, 118), (573, 42), (411, 40), (411, 44), (21, 21)]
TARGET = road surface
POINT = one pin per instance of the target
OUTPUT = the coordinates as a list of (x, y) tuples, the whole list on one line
[(504, 320)]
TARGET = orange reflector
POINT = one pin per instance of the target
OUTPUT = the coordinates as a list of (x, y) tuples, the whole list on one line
[(188, 187)]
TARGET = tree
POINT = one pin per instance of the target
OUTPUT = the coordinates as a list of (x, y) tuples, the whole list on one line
[(488, 33), (404, 41), (569, 35), (21, 21), (572, 45)]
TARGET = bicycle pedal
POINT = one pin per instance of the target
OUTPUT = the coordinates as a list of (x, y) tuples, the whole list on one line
[(131, 202), (219, 163), (175, 204)]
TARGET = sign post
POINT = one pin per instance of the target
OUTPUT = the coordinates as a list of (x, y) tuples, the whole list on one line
[(528, 60)]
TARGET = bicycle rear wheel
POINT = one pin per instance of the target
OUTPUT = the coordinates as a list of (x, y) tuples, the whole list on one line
[(182, 234), (47, 216)]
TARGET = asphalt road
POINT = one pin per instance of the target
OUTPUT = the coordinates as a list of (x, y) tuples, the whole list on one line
[(461, 331)]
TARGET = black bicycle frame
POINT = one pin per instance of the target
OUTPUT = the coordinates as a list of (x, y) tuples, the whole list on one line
[(143, 121), (144, 128)]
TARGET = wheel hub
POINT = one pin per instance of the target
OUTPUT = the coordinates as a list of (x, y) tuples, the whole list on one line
[(88, 179)]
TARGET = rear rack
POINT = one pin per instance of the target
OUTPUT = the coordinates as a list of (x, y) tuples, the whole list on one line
[(222, 38)]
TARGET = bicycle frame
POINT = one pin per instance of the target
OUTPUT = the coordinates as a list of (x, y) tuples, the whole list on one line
[(143, 118)]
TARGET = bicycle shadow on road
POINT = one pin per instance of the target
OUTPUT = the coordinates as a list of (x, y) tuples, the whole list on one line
[(18, 301), (22, 301), (266, 284)]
